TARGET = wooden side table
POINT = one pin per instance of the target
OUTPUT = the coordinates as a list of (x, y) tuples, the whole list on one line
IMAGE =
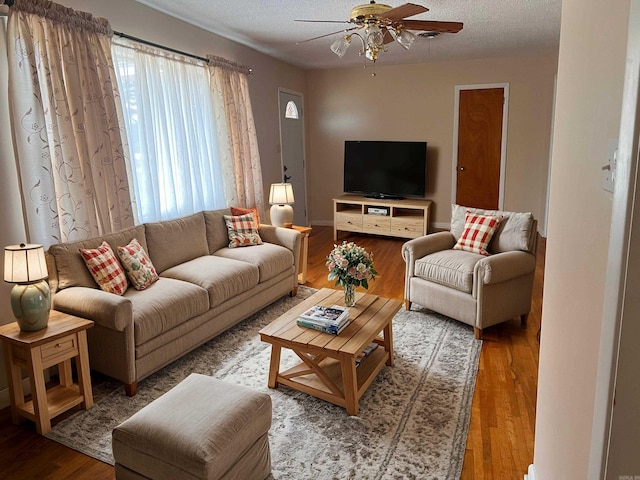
[(304, 252), (64, 338)]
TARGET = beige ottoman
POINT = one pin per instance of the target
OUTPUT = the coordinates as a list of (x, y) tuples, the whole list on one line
[(202, 428)]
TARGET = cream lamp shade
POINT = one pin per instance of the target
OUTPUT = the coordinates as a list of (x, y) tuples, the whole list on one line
[(25, 266), (280, 198)]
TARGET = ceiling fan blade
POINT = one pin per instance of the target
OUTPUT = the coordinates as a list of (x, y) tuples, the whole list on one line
[(323, 21), (326, 35), (404, 11), (433, 26)]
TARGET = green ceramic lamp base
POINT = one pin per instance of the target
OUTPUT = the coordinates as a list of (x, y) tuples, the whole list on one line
[(30, 303)]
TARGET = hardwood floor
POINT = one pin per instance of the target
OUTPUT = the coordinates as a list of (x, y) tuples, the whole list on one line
[(500, 441)]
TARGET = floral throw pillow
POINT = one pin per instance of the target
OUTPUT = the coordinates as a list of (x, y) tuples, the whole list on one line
[(477, 233), (105, 268), (138, 265), (243, 211), (242, 230)]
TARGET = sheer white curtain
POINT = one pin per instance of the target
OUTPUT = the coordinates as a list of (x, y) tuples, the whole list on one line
[(230, 96), (68, 142), (171, 130)]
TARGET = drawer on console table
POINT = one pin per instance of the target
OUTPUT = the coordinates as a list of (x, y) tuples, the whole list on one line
[(407, 227), (377, 224), (351, 222)]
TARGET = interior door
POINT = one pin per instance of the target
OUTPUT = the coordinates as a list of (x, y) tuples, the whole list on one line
[(480, 148), (293, 152)]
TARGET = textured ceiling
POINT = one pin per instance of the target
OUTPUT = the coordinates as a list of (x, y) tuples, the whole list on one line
[(491, 28)]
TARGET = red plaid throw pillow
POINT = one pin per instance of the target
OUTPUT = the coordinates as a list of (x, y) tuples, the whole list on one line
[(477, 233), (242, 230), (105, 268), (243, 211)]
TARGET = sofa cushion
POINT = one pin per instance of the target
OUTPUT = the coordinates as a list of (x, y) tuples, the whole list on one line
[(242, 211), (164, 305), (137, 264), (223, 278), (217, 234), (513, 232), (452, 268), (173, 242), (105, 268), (243, 231), (478, 231), (270, 259), (71, 269)]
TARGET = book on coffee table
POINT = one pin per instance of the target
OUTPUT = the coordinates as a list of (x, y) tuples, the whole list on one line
[(333, 316), (332, 329)]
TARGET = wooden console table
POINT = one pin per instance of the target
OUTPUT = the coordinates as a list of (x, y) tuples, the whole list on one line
[(407, 218), (304, 252), (64, 338)]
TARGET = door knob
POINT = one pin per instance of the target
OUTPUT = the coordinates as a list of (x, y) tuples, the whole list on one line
[(461, 169)]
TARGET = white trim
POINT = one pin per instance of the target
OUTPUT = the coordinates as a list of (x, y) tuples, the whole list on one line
[(503, 147), (531, 473), (544, 227), (5, 397), (618, 257)]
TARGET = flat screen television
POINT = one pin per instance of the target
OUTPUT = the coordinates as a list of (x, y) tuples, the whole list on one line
[(381, 169)]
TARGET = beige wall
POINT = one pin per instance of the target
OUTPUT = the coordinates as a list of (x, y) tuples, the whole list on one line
[(588, 106), (416, 102), (138, 20)]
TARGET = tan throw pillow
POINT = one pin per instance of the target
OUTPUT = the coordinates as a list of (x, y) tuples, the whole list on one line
[(138, 265), (105, 268), (243, 211), (242, 230), (477, 233)]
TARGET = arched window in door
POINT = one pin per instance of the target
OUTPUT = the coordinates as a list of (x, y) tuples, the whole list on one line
[(291, 111)]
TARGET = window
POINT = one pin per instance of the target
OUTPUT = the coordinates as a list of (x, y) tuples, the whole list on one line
[(291, 110), (170, 125)]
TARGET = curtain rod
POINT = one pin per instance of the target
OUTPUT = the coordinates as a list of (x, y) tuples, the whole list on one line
[(157, 45)]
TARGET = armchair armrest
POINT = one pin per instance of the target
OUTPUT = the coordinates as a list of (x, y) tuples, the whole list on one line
[(106, 309), (504, 266), (419, 247)]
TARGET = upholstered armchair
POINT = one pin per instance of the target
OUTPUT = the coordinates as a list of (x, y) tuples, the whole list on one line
[(452, 274)]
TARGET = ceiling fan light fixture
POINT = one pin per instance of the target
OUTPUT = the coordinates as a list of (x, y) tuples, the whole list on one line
[(341, 45), (375, 37), (404, 38)]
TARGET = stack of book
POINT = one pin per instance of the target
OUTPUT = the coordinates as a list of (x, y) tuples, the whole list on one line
[(365, 353), (331, 320)]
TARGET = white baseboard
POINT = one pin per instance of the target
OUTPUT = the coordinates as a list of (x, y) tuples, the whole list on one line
[(322, 223), (531, 473)]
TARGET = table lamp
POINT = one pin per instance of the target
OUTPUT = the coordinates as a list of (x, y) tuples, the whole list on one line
[(25, 266), (280, 196)]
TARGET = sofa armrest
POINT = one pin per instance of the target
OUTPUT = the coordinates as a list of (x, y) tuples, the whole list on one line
[(285, 237), (504, 266), (106, 309), (421, 246)]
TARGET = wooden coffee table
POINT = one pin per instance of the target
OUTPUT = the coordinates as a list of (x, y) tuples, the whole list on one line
[(328, 368)]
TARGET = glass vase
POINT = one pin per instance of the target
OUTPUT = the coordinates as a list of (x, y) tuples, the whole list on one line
[(349, 295)]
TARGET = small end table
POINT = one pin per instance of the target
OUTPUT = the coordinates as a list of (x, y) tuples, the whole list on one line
[(64, 338), (304, 252)]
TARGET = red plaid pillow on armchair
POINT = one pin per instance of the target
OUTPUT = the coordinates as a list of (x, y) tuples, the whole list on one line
[(477, 233), (242, 230)]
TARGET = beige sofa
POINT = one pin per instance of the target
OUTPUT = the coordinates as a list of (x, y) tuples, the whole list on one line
[(204, 288), (478, 290)]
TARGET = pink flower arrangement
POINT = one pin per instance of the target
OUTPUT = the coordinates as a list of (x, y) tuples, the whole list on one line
[(350, 264)]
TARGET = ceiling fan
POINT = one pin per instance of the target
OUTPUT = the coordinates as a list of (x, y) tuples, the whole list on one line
[(377, 25)]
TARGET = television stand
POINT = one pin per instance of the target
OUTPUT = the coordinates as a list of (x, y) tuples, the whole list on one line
[(408, 218)]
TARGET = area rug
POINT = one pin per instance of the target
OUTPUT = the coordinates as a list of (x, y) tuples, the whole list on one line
[(412, 424)]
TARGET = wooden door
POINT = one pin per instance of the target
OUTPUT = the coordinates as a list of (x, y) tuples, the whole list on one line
[(478, 168)]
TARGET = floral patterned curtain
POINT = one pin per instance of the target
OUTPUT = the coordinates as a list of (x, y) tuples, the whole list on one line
[(70, 148), (232, 104)]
